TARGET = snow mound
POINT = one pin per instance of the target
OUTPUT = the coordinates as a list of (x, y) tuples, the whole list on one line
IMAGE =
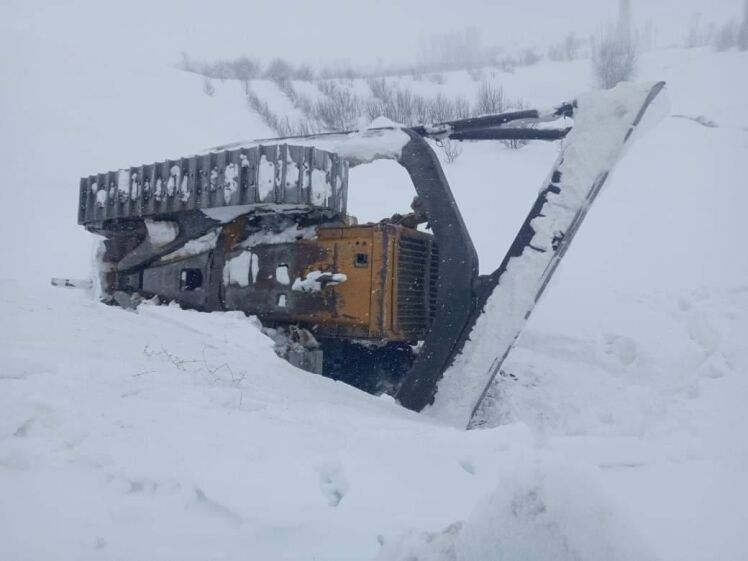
[(542, 512)]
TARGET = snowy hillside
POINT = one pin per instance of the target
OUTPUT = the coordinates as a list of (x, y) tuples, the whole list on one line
[(169, 434)]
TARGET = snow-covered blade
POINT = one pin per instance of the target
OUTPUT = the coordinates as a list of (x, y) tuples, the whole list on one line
[(604, 123)]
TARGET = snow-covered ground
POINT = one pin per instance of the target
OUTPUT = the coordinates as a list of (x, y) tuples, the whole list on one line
[(168, 434)]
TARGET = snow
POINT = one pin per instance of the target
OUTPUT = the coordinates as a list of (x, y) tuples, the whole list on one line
[(172, 434), (546, 512), (236, 270), (287, 235), (358, 147), (321, 188), (265, 178), (254, 268), (194, 247), (123, 184), (314, 281), (281, 274), (225, 214), (101, 198), (161, 232), (292, 174), (230, 185), (174, 179)]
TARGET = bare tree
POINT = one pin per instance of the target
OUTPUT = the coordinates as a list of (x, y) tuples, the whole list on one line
[(341, 110), (517, 143), (380, 89), (246, 68), (490, 99), (304, 72), (743, 33), (528, 57), (451, 149), (571, 46), (614, 54), (695, 37), (278, 69), (727, 36)]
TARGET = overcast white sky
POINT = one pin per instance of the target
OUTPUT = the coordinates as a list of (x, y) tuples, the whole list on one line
[(316, 31)]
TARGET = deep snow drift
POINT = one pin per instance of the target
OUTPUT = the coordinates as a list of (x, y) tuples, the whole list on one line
[(163, 434)]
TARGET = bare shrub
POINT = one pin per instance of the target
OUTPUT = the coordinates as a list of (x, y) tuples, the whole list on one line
[(571, 46), (326, 73), (507, 64), (341, 110), (241, 68), (528, 57), (568, 49), (613, 59), (696, 36), (451, 149), (380, 89), (462, 108), (287, 88), (374, 108), (245, 68), (437, 78), (326, 87), (490, 99), (280, 125), (400, 106), (440, 109), (517, 143), (476, 74), (420, 109), (208, 87), (742, 41), (305, 105), (221, 69), (304, 73), (556, 53), (279, 69), (727, 36)]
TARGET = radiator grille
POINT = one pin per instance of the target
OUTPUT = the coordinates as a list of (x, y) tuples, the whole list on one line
[(417, 272)]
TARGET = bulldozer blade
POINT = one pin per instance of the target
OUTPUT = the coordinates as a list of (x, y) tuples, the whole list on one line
[(505, 298)]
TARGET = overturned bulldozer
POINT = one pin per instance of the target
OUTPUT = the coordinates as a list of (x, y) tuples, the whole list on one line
[(396, 306)]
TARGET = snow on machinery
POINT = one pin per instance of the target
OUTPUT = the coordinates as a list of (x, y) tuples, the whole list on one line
[(262, 227)]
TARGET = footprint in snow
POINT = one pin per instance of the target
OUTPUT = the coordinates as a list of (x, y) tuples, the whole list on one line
[(715, 366), (467, 465), (621, 347), (208, 506), (699, 119), (332, 482)]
